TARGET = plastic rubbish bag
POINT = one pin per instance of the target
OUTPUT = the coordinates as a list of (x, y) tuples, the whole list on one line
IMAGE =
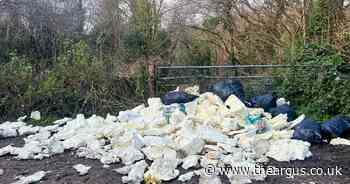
[(284, 109), (309, 131), (335, 127), (225, 89), (266, 102), (178, 97)]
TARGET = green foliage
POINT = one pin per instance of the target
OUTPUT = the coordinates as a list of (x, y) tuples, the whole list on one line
[(201, 53), (211, 22), (135, 43), (319, 92), (145, 37), (142, 82), (138, 45), (76, 83), (318, 19)]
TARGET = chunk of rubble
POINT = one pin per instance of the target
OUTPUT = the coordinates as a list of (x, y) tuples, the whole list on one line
[(186, 177), (282, 101), (36, 177), (194, 146), (163, 170), (36, 115), (130, 155), (6, 150), (340, 141), (204, 179), (158, 152), (82, 169), (22, 118), (190, 161), (28, 130), (286, 150), (10, 129), (136, 173)]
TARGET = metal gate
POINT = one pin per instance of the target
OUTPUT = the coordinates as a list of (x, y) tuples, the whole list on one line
[(253, 77)]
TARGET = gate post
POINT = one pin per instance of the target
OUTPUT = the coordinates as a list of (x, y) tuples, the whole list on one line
[(152, 80)]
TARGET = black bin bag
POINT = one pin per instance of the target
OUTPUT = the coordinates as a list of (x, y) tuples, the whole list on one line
[(284, 109), (266, 102), (336, 127), (226, 88), (309, 131), (177, 97)]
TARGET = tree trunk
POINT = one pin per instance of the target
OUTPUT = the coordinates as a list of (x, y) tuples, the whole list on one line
[(308, 7)]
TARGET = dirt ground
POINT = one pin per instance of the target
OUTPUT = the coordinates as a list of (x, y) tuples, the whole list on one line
[(62, 172)]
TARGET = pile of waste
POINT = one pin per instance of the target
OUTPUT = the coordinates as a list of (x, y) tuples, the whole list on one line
[(192, 135)]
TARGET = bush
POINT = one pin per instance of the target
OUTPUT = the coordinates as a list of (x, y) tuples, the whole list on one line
[(321, 93), (76, 83)]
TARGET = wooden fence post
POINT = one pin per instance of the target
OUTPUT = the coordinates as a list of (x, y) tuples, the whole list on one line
[(152, 81)]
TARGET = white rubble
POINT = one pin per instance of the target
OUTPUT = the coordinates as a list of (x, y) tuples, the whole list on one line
[(82, 169), (6, 150), (2, 172), (36, 177), (186, 177), (286, 150), (204, 179), (282, 101), (194, 90), (135, 173), (163, 169), (21, 119), (36, 115), (340, 141), (19, 128), (194, 135), (190, 161)]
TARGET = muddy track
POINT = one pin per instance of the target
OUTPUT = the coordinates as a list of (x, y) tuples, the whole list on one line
[(62, 172)]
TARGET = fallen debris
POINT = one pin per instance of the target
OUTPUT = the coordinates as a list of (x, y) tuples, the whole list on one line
[(204, 131), (186, 177), (340, 141), (286, 150), (36, 177), (136, 173), (36, 115), (82, 169)]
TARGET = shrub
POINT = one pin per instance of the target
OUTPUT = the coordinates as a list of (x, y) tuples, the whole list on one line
[(320, 92), (76, 83)]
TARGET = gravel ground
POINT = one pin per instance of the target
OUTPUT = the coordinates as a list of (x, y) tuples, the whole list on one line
[(62, 172)]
